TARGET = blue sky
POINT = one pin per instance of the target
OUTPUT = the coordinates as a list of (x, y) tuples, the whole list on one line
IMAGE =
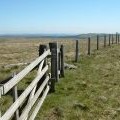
[(59, 16)]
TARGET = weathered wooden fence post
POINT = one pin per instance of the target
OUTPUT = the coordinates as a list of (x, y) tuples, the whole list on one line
[(104, 41), (15, 97), (89, 41), (109, 39), (77, 51), (54, 65), (59, 62), (112, 39), (62, 60), (116, 38), (42, 49), (97, 42)]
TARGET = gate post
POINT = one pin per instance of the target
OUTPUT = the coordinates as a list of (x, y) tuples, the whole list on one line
[(62, 60), (54, 65)]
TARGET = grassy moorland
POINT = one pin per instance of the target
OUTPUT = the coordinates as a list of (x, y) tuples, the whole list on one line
[(19, 50), (90, 92), (22, 50)]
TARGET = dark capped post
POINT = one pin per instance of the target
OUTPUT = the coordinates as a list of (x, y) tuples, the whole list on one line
[(62, 60), (112, 39), (97, 42), (54, 65), (89, 41), (109, 39), (116, 37), (104, 40), (77, 51)]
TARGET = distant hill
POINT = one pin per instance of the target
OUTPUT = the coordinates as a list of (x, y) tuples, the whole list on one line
[(92, 35), (82, 36)]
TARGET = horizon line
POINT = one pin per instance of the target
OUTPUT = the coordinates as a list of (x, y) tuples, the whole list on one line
[(2, 34)]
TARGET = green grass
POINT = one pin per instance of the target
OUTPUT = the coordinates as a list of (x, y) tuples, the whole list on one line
[(91, 92)]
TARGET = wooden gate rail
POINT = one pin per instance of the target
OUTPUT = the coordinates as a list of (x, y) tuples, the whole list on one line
[(11, 83), (41, 85)]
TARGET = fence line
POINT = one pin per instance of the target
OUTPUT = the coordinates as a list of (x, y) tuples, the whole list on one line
[(111, 40), (43, 83)]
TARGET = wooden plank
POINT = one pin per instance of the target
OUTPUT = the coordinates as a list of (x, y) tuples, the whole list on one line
[(33, 100), (40, 67), (9, 113), (1, 89), (38, 106), (24, 72), (34, 89)]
